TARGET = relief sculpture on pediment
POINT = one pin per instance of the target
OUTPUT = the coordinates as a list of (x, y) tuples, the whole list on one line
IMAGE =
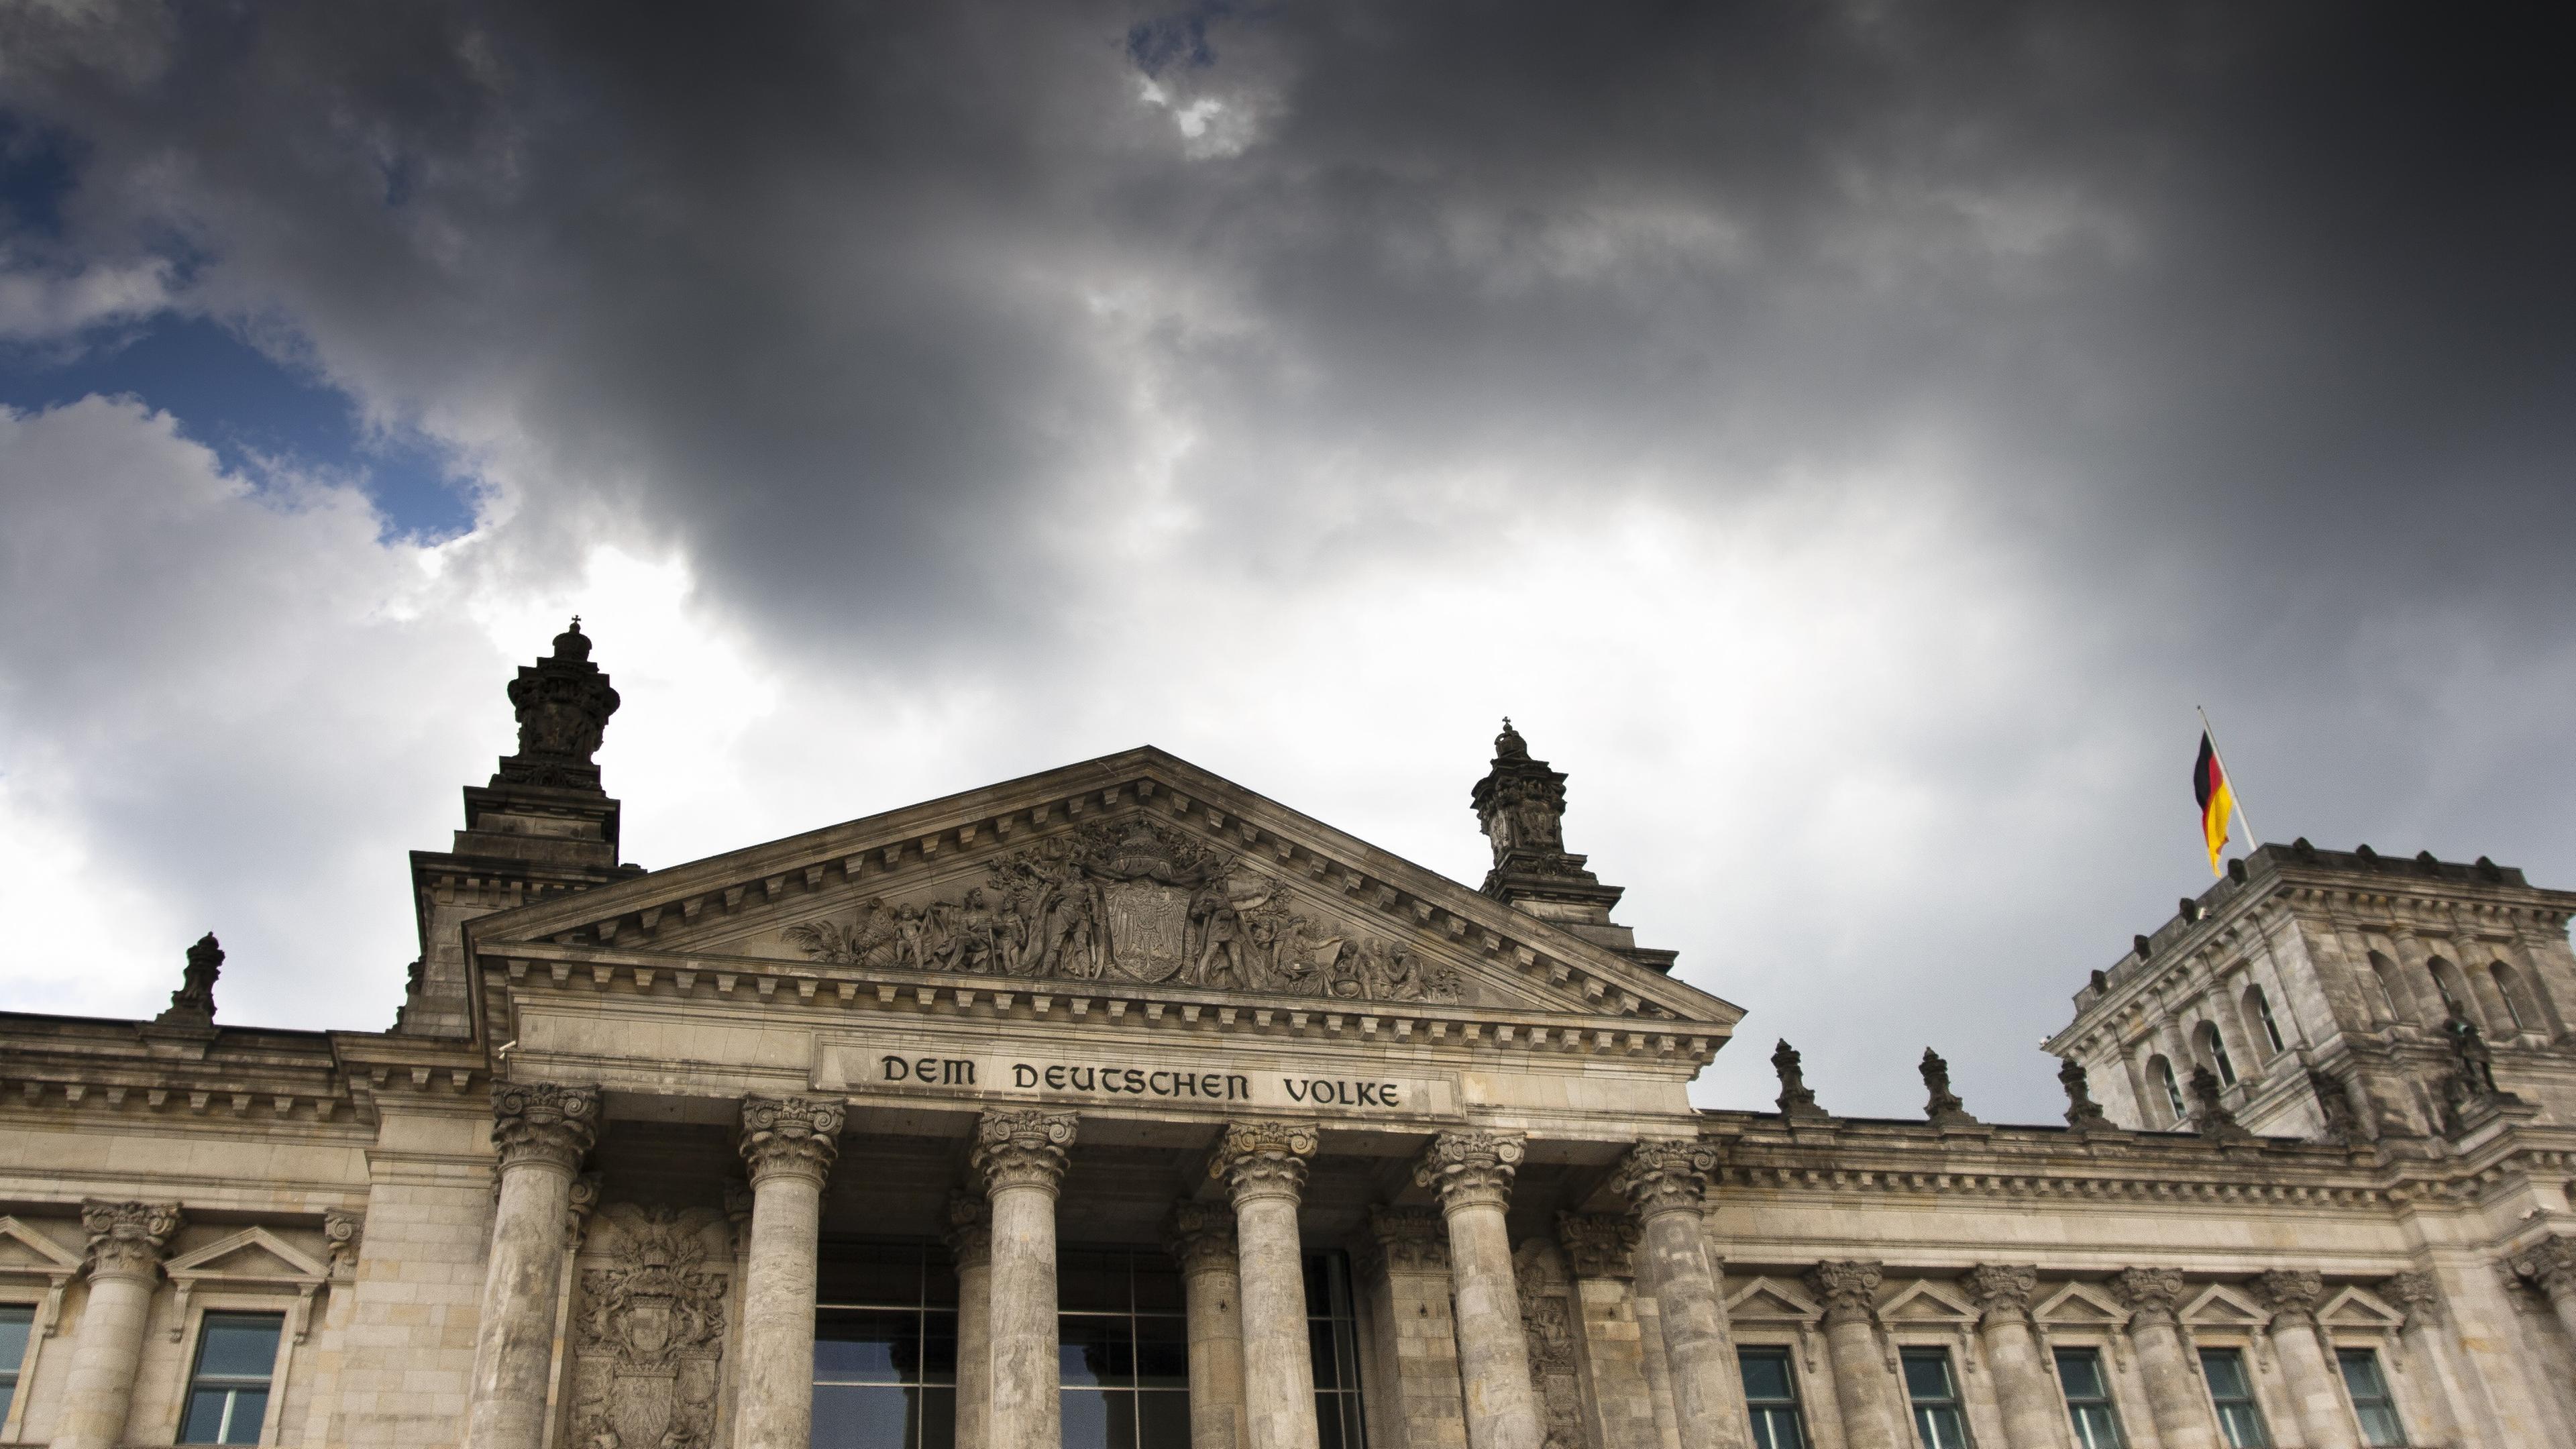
[(648, 1340), (1138, 904)]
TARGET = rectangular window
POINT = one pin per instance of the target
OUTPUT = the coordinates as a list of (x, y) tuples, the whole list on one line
[(228, 1392), (885, 1349), (2088, 1398), (2232, 1394), (1332, 1328), (1771, 1398), (1124, 1350), (1938, 1422), (14, 1320), (2370, 1401)]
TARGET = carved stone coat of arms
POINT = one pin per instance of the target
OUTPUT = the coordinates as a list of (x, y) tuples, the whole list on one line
[(649, 1337)]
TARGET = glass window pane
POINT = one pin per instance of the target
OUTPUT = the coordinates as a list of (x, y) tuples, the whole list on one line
[(1095, 1350), (13, 1338), (1157, 1287), (938, 1348), (2226, 1370), (1163, 1353), (862, 1417), (2095, 1428), (239, 1345), (1319, 1344), (938, 1409), (1162, 1421), (1086, 1420), (204, 1423), (1766, 1375), (1927, 1375), (2361, 1374), (1778, 1429), (2079, 1372), (866, 1346), (1319, 1292), (250, 1406), (1328, 1422), (2241, 1426), (1092, 1283), (878, 1276), (1939, 1427)]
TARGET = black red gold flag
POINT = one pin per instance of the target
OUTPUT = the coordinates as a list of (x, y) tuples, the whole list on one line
[(2217, 801)]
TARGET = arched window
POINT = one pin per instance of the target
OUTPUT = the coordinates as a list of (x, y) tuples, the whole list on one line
[(2163, 1072), (2455, 990), (2509, 988), (2392, 993), (2258, 1017), (2213, 1046)]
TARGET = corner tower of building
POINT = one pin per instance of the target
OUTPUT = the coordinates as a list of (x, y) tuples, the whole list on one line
[(542, 825), (1520, 804)]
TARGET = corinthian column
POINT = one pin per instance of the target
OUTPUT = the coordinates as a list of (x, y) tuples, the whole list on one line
[(1201, 1236), (1665, 1184), (1849, 1291), (1471, 1173), (2324, 1419), (2550, 1265), (125, 1244), (541, 1133), (1021, 1154), (2181, 1411), (1263, 1164), (970, 1245), (788, 1144), (2024, 1389)]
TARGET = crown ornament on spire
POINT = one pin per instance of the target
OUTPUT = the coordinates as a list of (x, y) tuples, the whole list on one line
[(563, 703)]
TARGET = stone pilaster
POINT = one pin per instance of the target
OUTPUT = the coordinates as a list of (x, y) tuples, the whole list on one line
[(1405, 1272), (1263, 1165), (2550, 1266), (541, 1133), (2175, 1399), (1601, 1248), (1022, 1154), (2316, 1388), (2422, 1333), (1666, 1184), (1849, 1291), (2025, 1390), (968, 1231), (1201, 1237), (1471, 1173), (788, 1147), (126, 1243)]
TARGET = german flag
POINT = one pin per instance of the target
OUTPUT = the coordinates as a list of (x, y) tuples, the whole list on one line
[(2217, 801)]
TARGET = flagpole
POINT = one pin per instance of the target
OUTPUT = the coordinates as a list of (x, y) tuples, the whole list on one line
[(2253, 842)]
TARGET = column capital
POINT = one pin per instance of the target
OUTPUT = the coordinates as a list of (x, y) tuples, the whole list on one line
[(1410, 1240), (2291, 1294), (543, 1123), (2549, 1265), (579, 1203), (1848, 1288), (966, 1225), (1200, 1236), (2152, 1295), (126, 1239), (1598, 1245), (1671, 1175), (2001, 1291), (790, 1136), (2418, 1293), (1022, 1147), (1471, 1169), (1264, 1159)]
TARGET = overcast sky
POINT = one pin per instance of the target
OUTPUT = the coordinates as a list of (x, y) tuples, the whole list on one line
[(1849, 439)]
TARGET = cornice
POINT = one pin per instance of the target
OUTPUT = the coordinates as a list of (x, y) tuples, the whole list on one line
[(891, 850), (835, 992)]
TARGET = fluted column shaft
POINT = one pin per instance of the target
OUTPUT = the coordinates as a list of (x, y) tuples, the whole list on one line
[(970, 1247), (2176, 1400), (1201, 1237), (2316, 1389), (1471, 1173), (788, 1146), (1022, 1156), (1263, 1165), (2025, 1391), (126, 1240), (1666, 1184), (541, 1132)]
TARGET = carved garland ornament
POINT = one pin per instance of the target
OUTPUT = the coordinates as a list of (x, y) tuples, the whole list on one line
[(1471, 1169), (790, 1135), (539, 1122), (1669, 1176), (1264, 1159), (650, 1336), (126, 1238), (1146, 905), (1016, 1147)]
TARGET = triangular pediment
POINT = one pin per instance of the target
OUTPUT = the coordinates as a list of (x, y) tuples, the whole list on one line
[(2220, 1306), (24, 1250), (2079, 1305), (254, 1255), (2360, 1308), (1134, 872), (1926, 1301), (1772, 1300)]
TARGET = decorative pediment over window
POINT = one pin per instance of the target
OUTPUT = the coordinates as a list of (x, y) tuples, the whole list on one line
[(2360, 1309), (2219, 1306), (2079, 1305), (26, 1253), (1773, 1300), (1929, 1302), (255, 1259)]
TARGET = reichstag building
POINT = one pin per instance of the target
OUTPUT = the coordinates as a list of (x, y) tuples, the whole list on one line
[(1119, 1107)]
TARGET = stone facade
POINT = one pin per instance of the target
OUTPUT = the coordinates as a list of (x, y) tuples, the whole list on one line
[(1348, 1152)]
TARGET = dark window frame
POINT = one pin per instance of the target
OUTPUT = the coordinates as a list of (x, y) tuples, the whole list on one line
[(1949, 1406), (1333, 1341), (2104, 1431), (24, 1315), (232, 1386), (2250, 1401), (1767, 1416), (2382, 1427)]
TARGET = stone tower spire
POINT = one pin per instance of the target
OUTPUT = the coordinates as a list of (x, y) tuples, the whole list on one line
[(563, 703), (1520, 804)]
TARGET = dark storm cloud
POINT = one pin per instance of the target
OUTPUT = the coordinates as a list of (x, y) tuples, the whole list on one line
[(2246, 326)]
